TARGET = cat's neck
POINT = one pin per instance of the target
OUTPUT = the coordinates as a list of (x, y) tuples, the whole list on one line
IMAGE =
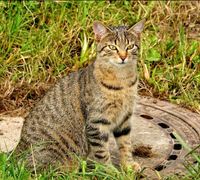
[(118, 76)]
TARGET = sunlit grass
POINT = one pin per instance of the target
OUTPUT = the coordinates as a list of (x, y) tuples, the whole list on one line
[(41, 42), (12, 169)]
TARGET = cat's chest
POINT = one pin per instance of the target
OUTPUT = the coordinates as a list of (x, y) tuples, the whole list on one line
[(122, 101), (125, 95)]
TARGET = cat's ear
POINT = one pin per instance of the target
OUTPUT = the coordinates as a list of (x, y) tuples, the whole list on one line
[(138, 27), (99, 30)]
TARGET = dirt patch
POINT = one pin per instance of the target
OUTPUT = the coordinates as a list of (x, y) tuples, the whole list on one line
[(143, 151)]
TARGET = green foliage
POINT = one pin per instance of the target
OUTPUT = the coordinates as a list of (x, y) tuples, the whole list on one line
[(41, 41), (10, 169)]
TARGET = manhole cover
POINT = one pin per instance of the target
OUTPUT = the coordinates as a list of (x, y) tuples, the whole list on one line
[(152, 132)]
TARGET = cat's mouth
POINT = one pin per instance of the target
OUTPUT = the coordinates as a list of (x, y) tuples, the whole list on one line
[(122, 62)]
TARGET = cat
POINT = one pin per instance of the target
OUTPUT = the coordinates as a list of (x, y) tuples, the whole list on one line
[(79, 113)]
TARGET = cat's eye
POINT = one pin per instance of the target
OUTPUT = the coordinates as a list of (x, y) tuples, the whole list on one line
[(112, 47), (129, 47)]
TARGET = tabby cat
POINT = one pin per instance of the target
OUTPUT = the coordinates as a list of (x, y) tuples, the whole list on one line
[(78, 114)]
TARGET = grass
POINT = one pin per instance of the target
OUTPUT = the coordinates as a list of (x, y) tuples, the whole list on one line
[(10, 169), (43, 41), (40, 42)]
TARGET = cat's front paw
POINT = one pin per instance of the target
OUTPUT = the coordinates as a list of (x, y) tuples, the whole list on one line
[(133, 166), (136, 167)]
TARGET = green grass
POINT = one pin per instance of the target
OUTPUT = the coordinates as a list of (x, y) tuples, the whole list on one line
[(41, 42), (11, 169)]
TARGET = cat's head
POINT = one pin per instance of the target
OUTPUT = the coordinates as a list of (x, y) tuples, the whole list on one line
[(118, 46)]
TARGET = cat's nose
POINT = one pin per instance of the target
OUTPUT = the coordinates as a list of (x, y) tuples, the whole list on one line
[(123, 58), (123, 55)]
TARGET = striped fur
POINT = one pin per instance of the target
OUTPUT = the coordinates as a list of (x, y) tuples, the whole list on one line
[(77, 115)]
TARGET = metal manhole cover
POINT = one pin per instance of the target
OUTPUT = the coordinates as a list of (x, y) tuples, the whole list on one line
[(152, 130)]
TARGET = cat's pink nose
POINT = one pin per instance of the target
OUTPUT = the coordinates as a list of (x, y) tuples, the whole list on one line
[(123, 58), (122, 55)]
